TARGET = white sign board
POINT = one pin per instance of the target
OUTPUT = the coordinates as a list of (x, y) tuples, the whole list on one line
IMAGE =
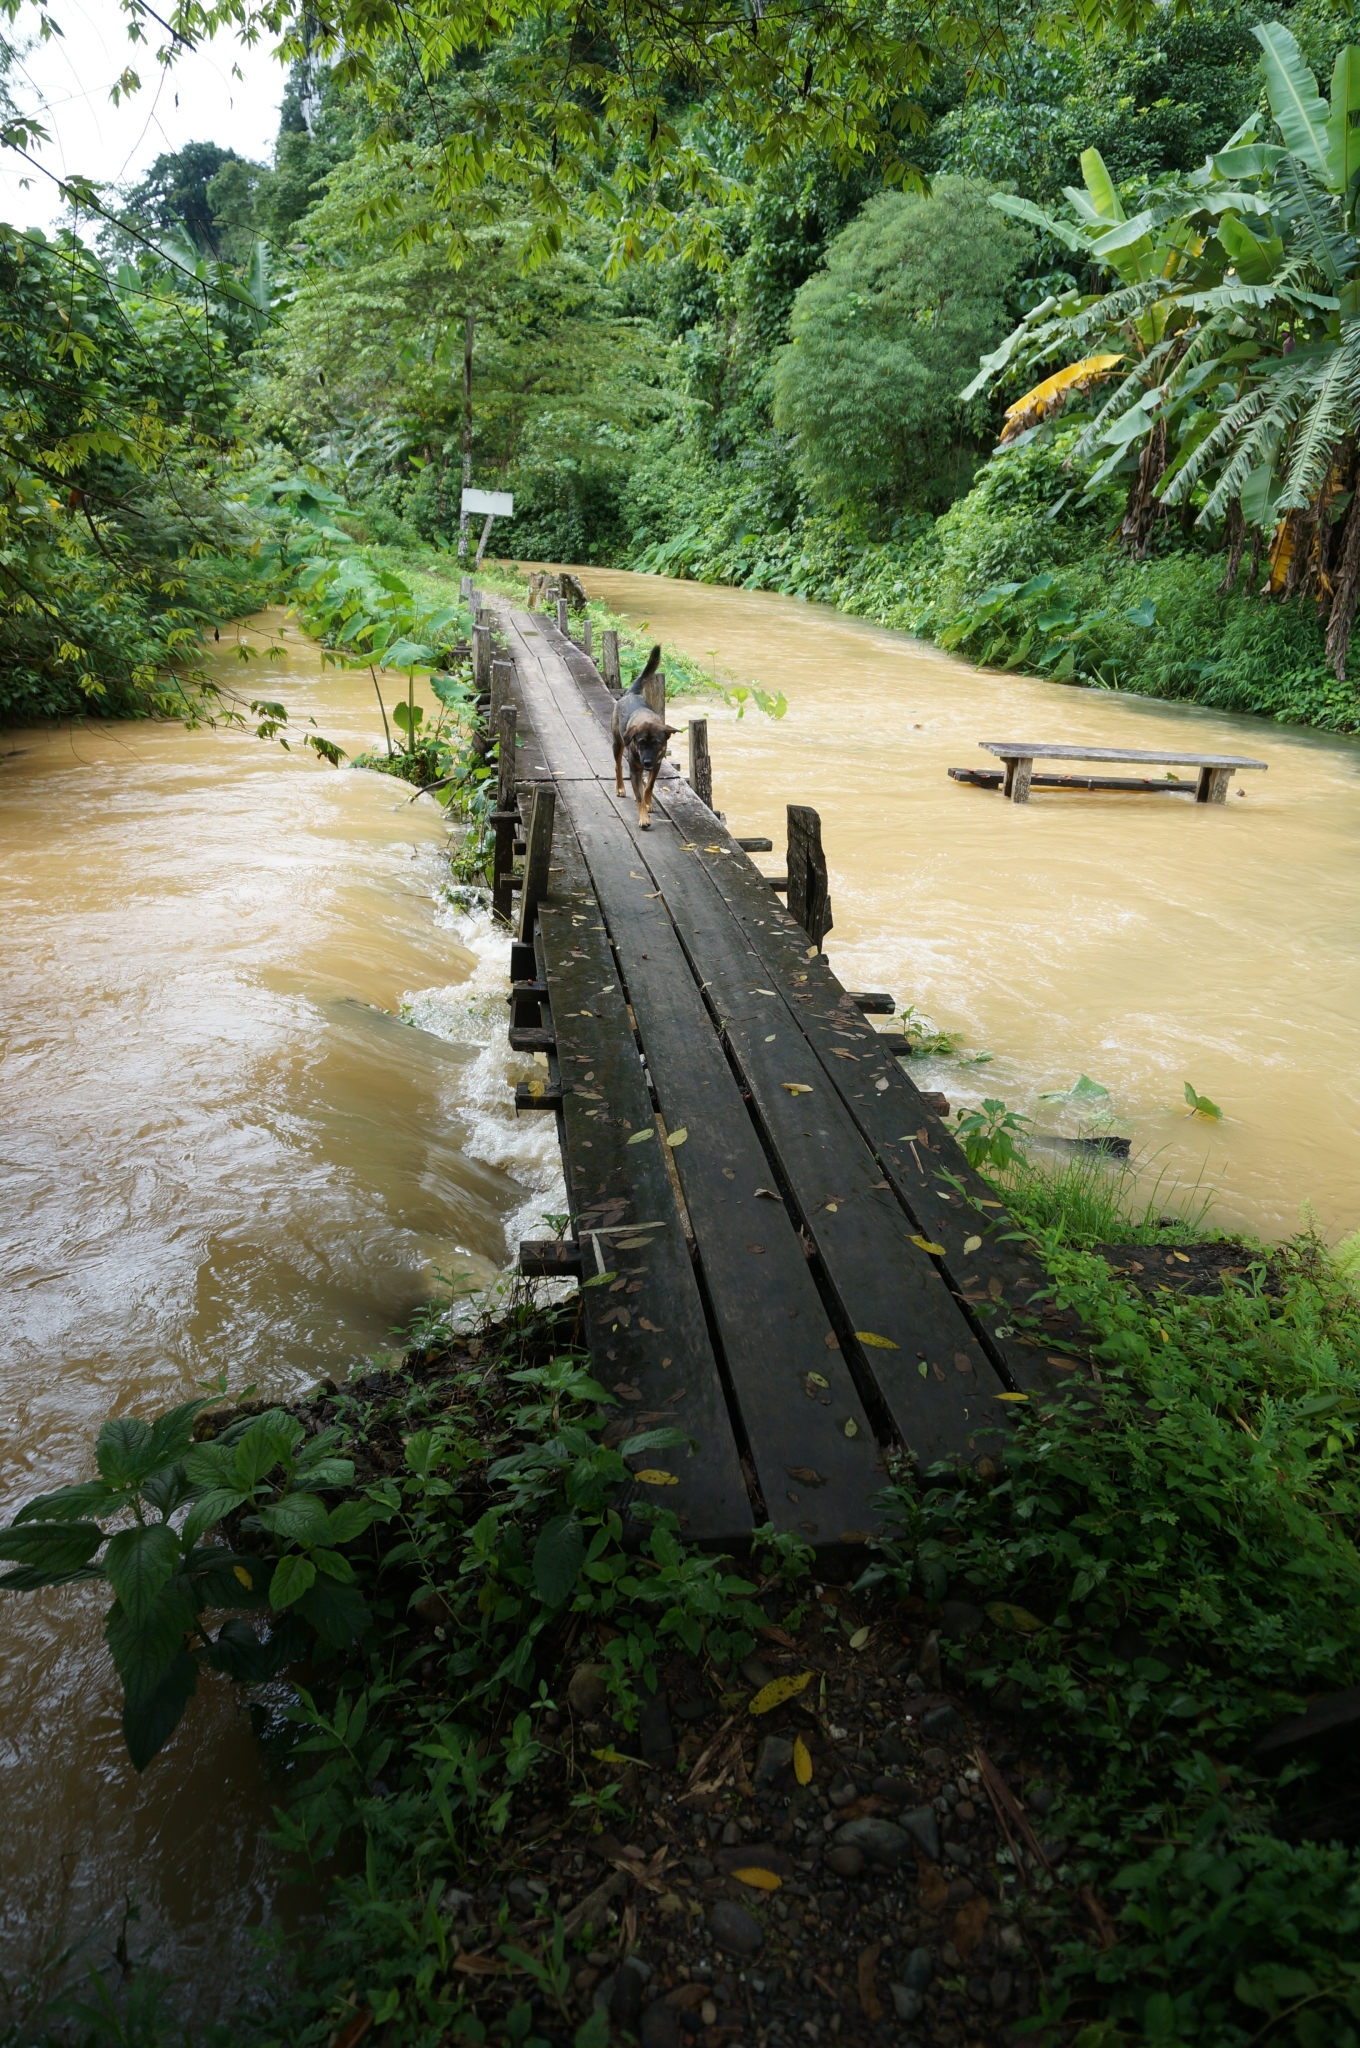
[(499, 503)]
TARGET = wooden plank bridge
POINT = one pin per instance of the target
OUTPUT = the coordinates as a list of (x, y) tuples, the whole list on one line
[(794, 1263)]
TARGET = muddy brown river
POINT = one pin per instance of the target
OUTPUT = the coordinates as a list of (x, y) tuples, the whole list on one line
[(256, 1091)]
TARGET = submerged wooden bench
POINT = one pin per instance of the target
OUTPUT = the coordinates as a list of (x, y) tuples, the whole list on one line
[(1211, 786)]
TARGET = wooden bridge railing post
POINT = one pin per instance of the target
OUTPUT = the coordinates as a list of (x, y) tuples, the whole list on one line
[(538, 853), (502, 676), (564, 618), (481, 660), (700, 765), (809, 900), (609, 658), (465, 586), (506, 816)]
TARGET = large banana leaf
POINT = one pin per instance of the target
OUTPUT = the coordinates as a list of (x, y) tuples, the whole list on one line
[(1100, 185), (1025, 209), (1343, 141), (1292, 91)]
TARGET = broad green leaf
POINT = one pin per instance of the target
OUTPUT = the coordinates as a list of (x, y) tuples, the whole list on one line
[(337, 1613), (1292, 91), (298, 1518), (1254, 260), (267, 1442), (328, 1472), (52, 1546), (334, 1566), (349, 1520), (211, 1465), (406, 654), (238, 1652), (1100, 185), (216, 1503), (293, 1576), (123, 1451), (166, 1488), (137, 1563), (143, 1651), (222, 1578), (69, 1503), (654, 1440), (173, 1432), (1343, 141), (558, 1556), (151, 1719), (1061, 230)]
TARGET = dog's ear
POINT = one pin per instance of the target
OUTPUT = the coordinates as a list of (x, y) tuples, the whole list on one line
[(670, 731)]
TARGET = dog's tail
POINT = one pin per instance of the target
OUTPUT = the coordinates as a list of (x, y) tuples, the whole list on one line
[(646, 674)]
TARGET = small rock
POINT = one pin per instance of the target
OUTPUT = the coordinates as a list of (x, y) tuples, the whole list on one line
[(1008, 1697), (950, 1956), (776, 1754), (842, 1795), (626, 2003), (734, 1929), (928, 1663), (944, 1724), (1039, 1797), (882, 1841), (846, 1862), (959, 1892), (731, 1835), (433, 1608), (1000, 1989), (920, 1969), (979, 1990), (603, 1996), (521, 1898), (587, 1691), (755, 1671), (660, 2026), (961, 1621), (936, 1760), (1012, 1940), (699, 1868), (891, 1750), (907, 2004), (924, 1828)]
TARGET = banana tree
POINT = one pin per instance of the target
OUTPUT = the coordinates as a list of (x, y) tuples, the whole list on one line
[(1235, 329)]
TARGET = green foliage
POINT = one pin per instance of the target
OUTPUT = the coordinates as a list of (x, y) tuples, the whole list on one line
[(118, 545), (165, 1578), (989, 1136), (1181, 1545), (882, 340)]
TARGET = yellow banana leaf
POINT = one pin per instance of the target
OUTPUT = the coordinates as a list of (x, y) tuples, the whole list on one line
[(1049, 396)]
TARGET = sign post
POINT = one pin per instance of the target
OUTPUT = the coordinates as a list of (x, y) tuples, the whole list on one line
[(495, 504)]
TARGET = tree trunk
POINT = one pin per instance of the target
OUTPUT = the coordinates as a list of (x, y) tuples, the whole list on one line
[(1345, 593), (1235, 533), (1144, 505)]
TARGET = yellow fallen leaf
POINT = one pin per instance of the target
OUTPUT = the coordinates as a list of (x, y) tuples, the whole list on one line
[(971, 1244), (1007, 1615), (677, 1138), (802, 1761), (762, 1880), (1012, 1397), (924, 1244), (859, 1638), (812, 952), (878, 1343), (851, 1426), (535, 1089), (239, 1572), (608, 1756), (796, 1087), (638, 1137), (778, 1690), (656, 1478)]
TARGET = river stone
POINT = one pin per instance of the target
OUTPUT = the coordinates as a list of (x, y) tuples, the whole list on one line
[(882, 1841), (890, 1749), (846, 1862), (586, 1690), (920, 1969), (924, 1829), (756, 1671), (944, 1724), (776, 1754), (907, 2004), (734, 1929)]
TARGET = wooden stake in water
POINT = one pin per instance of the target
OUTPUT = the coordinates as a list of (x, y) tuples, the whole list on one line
[(808, 898), (506, 817)]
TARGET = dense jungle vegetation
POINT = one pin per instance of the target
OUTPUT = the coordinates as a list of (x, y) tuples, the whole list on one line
[(1042, 341), (727, 321)]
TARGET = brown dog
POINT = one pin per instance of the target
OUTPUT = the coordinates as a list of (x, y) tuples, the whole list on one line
[(640, 734)]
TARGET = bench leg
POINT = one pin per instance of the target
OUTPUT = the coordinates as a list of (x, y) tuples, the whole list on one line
[(1213, 785), (1018, 774)]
